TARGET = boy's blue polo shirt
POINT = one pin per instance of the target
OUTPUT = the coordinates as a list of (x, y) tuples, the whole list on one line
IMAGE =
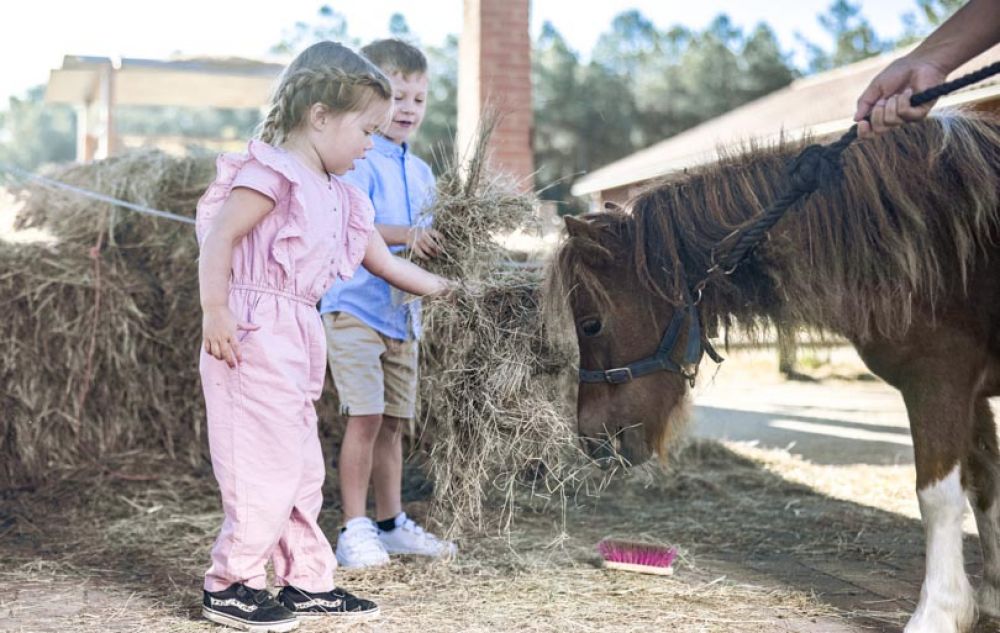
[(400, 186)]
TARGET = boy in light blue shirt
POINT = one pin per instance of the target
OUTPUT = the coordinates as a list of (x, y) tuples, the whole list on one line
[(372, 330)]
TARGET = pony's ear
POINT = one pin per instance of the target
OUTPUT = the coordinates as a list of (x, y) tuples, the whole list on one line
[(576, 227), (586, 237)]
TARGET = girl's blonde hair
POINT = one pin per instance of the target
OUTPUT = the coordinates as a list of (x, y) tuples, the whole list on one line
[(327, 73)]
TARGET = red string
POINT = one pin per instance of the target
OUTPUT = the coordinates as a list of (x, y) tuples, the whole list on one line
[(95, 254)]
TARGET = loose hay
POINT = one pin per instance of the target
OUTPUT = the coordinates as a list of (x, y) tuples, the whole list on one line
[(139, 529), (495, 388)]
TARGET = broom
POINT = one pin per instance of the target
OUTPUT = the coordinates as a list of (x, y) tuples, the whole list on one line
[(643, 558)]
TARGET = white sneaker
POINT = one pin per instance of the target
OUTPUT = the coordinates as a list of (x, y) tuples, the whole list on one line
[(409, 538), (358, 545)]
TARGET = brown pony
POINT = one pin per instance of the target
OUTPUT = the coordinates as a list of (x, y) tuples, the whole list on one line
[(901, 256)]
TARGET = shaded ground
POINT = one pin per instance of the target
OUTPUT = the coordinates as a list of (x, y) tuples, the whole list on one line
[(844, 416), (770, 540)]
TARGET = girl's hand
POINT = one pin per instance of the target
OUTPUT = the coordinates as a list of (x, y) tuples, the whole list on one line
[(448, 289), (425, 243), (219, 331), (401, 273)]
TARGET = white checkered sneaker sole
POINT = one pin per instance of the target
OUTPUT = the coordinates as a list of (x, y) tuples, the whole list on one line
[(341, 616), (253, 627)]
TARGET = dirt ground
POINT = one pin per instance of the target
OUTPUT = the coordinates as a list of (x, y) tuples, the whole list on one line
[(792, 505)]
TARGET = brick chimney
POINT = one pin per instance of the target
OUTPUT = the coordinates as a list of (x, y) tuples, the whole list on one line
[(494, 69)]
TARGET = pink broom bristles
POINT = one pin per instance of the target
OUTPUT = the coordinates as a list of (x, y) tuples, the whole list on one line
[(645, 558)]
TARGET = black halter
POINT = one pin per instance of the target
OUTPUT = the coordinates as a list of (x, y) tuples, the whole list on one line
[(661, 360)]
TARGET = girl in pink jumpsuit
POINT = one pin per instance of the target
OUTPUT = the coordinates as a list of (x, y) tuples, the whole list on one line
[(276, 229)]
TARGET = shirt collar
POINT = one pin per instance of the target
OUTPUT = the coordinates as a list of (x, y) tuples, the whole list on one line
[(388, 148)]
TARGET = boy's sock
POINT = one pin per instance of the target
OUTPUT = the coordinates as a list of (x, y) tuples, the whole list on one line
[(386, 525), (404, 536)]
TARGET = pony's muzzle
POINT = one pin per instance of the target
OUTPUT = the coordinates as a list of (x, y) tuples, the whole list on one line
[(623, 447)]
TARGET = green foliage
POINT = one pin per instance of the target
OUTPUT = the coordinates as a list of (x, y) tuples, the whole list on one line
[(398, 26), (932, 14), (937, 11), (329, 25), (584, 117), (436, 138), (33, 133), (854, 38), (643, 85)]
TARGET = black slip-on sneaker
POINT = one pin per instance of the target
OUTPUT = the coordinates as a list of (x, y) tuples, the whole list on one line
[(337, 603), (248, 609)]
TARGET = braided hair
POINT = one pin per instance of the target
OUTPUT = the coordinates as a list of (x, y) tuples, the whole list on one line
[(328, 73)]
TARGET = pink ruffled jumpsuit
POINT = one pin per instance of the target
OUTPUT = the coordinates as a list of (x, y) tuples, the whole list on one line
[(262, 433)]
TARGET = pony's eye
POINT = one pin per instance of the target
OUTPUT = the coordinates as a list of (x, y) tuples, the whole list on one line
[(590, 327)]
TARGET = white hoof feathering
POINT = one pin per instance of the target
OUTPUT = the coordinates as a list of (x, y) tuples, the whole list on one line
[(946, 602)]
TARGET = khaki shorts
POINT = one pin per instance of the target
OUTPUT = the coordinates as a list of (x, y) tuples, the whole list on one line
[(373, 373)]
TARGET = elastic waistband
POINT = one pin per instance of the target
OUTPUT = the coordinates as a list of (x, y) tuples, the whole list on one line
[(274, 291)]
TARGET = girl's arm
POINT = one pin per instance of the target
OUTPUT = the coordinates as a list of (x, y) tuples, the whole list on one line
[(399, 272), (241, 212)]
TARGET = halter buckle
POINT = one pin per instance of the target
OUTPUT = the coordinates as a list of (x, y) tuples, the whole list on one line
[(690, 373), (618, 375)]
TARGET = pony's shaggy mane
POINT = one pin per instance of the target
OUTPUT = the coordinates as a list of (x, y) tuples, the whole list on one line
[(902, 230)]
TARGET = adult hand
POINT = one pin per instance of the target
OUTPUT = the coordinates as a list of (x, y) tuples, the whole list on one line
[(887, 97)]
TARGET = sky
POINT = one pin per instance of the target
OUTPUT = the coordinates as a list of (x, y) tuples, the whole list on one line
[(35, 41)]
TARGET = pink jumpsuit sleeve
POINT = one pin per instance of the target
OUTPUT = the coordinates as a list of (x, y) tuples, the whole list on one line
[(261, 179)]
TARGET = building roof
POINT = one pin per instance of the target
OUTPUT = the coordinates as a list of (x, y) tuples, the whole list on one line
[(820, 104), (195, 82)]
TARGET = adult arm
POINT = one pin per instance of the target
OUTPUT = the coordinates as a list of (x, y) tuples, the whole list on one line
[(973, 29)]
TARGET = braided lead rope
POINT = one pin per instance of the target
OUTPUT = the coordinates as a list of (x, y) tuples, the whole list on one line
[(812, 167)]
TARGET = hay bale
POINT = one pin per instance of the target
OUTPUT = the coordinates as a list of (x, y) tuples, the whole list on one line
[(99, 351), (494, 388)]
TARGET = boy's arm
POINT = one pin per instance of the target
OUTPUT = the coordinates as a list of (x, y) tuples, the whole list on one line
[(424, 242), (394, 234), (363, 178)]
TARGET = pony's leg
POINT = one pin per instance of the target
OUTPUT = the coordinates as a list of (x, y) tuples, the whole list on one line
[(941, 423), (984, 494)]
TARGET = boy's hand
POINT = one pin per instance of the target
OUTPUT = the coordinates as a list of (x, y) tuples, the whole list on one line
[(219, 331), (425, 243)]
